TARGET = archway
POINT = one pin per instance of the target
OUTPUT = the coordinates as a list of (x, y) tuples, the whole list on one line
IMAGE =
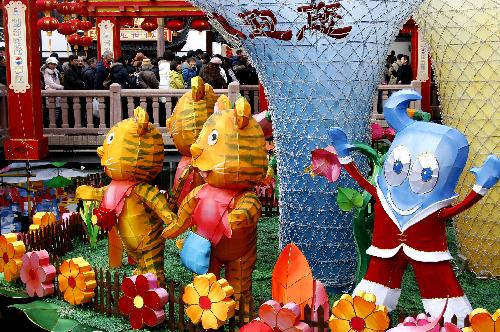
[(320, 63)]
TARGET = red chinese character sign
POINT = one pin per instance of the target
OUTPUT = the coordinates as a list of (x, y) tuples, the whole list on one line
[(320, 63)]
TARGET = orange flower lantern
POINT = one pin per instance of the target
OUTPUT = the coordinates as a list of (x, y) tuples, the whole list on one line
[(201, 25), (175, 25), (149, 24)]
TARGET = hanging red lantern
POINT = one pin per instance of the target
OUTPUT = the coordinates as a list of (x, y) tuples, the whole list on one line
[(65, 8), (48, 24), (175, 25), (76, 8), (66, 28), (85, 25), (46, 6), (201, 24), (126, 21), (75, 40), (149, 24), (86, 41), (76, 22)]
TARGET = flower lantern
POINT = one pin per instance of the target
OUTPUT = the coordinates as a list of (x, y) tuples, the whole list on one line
[(208, 300), (481, 320), (358, 314), (200, 24), (149, 24), (143, 300), (76, 280), (281, 319), (175, 25), (11, 252), (38, 274)]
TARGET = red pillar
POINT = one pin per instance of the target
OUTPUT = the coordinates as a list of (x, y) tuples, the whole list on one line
[(109, 37), (22, 45)]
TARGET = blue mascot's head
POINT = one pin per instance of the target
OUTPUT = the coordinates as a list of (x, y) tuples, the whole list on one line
[(422, 166)]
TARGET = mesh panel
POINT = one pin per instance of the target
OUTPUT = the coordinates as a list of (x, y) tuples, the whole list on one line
[(465, 45), (320, 65)]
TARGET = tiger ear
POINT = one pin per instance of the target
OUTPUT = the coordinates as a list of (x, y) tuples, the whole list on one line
[(242, 112), (223, 103), (142, 119), (197, 88)]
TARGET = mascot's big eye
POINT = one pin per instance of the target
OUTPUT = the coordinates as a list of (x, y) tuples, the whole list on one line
[(110, 137), (424, 174), (212, 138), (397, 165)]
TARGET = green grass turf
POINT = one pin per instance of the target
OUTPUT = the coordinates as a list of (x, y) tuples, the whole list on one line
[(482, 293)]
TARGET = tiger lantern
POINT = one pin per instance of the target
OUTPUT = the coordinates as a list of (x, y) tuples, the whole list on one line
[(230, 154), (132, 210), (186, 122)]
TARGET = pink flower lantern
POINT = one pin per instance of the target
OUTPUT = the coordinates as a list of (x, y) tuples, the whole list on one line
[(143, 300), (37, 273), (281, 319)]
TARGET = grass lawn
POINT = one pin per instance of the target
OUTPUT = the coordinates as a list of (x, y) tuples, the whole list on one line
[(482, 293)]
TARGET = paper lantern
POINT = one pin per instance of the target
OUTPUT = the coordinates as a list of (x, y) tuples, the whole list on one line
[(126, 21), (186, 122), (149, 24), (86, 41), (230, 154), (464, 39), (66, 28), (46, 6), (65, 8), (209, 300), (76, 280), (339, 63), (85, 25), (76, 22), (38, 274), (11, 253), (282, 319), (143, 300), (47, 24), (200, 25), (358, 313), (132, 155), (74, 40), (175, 25), (481, 320), (44, 218)]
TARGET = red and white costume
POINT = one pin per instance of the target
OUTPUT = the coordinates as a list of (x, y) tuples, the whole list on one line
[(422, 243)]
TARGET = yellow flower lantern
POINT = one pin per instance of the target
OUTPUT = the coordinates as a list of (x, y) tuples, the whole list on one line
[(11, 253), (358, 314), (208, 301), (482, 321), (76, 280)]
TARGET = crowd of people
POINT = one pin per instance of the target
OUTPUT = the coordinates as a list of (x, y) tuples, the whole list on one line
[(141, 72), (398, 69)]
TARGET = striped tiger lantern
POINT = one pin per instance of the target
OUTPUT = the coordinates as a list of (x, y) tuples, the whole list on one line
[(185, 124), (230, 154), (135, 211)]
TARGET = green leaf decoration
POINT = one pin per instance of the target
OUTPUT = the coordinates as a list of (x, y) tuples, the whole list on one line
[(58, 163), (45, 315), (368, 151), (13, 293), (347, 199)]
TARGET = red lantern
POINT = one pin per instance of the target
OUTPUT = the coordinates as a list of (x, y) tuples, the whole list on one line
[(65, 8), (86, 41), (175, 25), (76, 22), (46, 6), (149, 24), (76, 8), (66, 28), (48, 24), (74, 39), (200, 25), (127, 21), (85, 25)]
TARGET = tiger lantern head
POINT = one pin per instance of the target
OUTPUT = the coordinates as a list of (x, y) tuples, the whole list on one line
[(190, 113), (230, 151), (132, 149)]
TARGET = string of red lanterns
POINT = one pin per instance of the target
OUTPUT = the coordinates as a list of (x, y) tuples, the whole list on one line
[(149, 24)]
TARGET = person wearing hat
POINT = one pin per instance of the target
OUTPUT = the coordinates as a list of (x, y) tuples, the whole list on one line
[(211, 73), (52, 82), (147, 78)]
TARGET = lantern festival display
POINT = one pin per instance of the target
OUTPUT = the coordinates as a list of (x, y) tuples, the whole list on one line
[(47, 23), (320, 63), (149, 24), (132, 155), (200, 24), (464, 38), (175, 25)]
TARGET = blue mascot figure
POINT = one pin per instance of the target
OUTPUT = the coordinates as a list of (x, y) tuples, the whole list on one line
[(414, 195)]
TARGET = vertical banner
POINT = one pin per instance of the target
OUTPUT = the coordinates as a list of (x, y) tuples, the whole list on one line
[(423, 59), (105, 36), (16, 24)]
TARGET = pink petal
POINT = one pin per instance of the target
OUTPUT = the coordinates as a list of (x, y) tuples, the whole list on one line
[(153, 317), (256, 326), (145, 282), (156, 298), (326, 163), (268, 312), (320, 298), (31, 287), (288, 316), (46, 273), (301, 326), (26, 267), (377, 132), (45, 289), (128, 286), (449, 327), (42, 258)]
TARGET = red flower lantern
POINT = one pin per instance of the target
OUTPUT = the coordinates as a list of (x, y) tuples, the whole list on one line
[(149, 24), (200, 24), (66, 28), (48, 24), (175, 25)]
